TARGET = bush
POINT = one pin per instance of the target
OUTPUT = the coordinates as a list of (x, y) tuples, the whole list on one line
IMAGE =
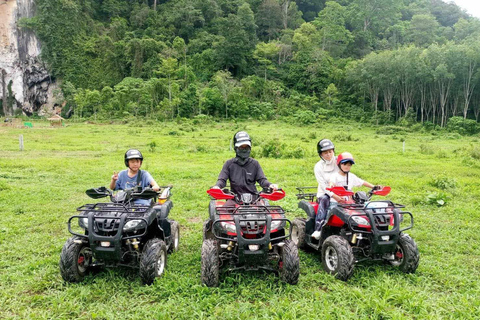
[(272, 149), (475, 153), (344, 137), (426, 149), (437, 198), (152, 146), (201, 119), (444, 183), (296, 153), (462, 126), (275, 149), (305, 117), (391, 130)]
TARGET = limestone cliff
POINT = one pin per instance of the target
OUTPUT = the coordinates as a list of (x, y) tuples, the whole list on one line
[(24, 82)]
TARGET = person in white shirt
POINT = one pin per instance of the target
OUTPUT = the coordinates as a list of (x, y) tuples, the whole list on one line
[(341, 177), (324, 170)]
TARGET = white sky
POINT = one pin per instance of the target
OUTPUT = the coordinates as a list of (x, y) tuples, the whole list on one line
[(472, 6)]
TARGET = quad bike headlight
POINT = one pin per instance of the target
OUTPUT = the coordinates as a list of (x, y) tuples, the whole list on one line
[(278, 224), (360, 220), (134, 224), (229, 227), (83, 223)]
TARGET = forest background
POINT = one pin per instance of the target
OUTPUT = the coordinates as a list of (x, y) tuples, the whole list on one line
[(377, 61)]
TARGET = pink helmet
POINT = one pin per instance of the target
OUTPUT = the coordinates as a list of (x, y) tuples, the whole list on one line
[(345, 157)]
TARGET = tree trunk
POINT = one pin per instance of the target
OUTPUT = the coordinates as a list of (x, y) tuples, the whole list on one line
[(4, 91)]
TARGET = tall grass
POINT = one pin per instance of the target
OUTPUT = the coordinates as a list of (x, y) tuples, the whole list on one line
[(41, 186)]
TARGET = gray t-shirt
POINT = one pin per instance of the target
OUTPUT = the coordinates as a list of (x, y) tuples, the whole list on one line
[(126, 182)]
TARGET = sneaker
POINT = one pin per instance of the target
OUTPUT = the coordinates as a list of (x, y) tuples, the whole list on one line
[(316, 235)]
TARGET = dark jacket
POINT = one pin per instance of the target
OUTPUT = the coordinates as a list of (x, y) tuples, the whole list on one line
[(242, 178)]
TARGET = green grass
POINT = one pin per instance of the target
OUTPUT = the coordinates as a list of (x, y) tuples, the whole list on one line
[(41, 186)]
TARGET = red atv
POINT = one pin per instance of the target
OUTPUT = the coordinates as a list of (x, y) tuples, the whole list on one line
[(358, 230), (247, 233)]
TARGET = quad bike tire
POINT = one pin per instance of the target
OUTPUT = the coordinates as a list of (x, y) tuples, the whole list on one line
[(337, 257), (210, 263), (175, 237), (406, 254), (298, 232), (75, 260), (153, 261), (289, 265), (207, 230)]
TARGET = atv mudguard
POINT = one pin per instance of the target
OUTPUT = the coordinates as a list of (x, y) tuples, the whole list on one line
[(307, 207), (211, 209), (162, 210)]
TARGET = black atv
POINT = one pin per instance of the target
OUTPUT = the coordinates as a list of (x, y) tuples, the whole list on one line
[(247, 233), (121, 233), (358, 230)]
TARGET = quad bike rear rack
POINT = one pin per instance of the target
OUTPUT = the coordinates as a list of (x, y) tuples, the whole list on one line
[(310, 196)]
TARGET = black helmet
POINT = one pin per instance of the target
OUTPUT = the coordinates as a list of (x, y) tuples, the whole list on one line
[(325, 145), (241, 138), (132, 154)]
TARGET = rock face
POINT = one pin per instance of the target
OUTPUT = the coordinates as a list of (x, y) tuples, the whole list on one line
[(26, 82)]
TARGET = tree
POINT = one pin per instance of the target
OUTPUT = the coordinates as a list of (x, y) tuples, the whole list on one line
[(331, 25), (269, 19), (169, 70), (265, 54), (423, 30), (235, 47), (225, 83)]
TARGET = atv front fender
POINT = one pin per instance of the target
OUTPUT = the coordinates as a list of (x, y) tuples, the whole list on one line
[(307, 207)]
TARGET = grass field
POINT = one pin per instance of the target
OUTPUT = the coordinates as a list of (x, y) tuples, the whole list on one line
[(41, 186)]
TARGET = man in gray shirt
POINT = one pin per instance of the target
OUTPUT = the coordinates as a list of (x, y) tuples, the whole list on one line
[(243, 171)]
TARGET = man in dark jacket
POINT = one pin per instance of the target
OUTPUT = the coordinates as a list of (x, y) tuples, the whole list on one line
[(243, 171)]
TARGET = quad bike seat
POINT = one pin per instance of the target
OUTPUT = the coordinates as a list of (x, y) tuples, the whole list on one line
[(310, 208), (162, 210)]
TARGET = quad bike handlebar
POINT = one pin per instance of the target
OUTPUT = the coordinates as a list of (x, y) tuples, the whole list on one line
[(226, 194), (342, 192), (128, 195)]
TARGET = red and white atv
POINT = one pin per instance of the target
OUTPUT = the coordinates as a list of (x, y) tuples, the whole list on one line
[(247, 233), (358, 230)]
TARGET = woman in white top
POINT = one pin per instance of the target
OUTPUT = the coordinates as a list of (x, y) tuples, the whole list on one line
[(341, 177)]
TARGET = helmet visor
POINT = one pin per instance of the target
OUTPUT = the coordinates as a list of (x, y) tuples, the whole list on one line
[(243, 142)]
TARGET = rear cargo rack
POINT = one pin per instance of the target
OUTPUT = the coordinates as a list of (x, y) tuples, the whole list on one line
[(310, 196)]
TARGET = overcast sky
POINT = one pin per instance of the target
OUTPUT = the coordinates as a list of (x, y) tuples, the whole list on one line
[(472, 6)]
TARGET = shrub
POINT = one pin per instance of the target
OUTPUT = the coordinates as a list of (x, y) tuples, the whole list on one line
[(391, 130), (152, 146), (305, 117), (462, 126), (426, 149), (344, 137), (437, 198), (272, 149), (475, 153), (444, 183), (296, 153)]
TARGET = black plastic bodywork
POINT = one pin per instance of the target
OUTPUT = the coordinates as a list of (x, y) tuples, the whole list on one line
[(248, 219), (107, 220)]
